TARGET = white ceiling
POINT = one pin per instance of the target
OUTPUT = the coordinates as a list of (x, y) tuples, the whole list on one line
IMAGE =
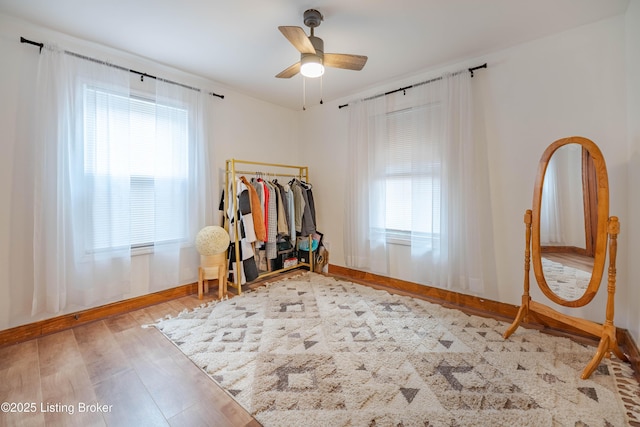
[(237, 43)]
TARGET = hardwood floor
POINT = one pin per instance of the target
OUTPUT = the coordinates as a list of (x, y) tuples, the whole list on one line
[(112, 372), (580, 262)]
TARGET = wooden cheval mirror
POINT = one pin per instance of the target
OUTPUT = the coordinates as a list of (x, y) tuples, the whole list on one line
[(568, 233)]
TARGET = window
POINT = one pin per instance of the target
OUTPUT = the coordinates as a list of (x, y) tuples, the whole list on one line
[(412, 174), (136, 156)]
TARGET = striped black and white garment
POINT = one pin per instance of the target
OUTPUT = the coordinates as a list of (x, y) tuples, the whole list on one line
[(241, 206)]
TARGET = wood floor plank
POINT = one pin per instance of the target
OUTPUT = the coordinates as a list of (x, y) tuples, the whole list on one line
[(20, 385), (142, 317), (121, 322), (219, 405), (172, 380), (189, 303), (58, 351), (141, 377), (143, 344), (102, 356), (127, 402), (168, 384), (203, 414), (20, 376), (17, 353), (194, 416), (65, 382), (152, 360), (70, 412), (22, 419), (159, 311), (173, 308)]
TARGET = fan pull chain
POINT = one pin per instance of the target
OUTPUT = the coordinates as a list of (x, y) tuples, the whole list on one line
[(321, 92), (304, 93)]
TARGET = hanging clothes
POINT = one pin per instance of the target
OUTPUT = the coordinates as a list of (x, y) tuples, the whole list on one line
[(263, 195), (299, 205), (312, 204), (291, 214), (283, 227), (304, 207), (240, 208), (272, 221), (256, 211), (265, 219)]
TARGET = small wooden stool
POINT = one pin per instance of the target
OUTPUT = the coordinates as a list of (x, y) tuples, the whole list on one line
[(212, 267)]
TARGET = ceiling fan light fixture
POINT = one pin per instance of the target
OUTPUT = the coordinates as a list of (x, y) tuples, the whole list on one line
[(311, 66)]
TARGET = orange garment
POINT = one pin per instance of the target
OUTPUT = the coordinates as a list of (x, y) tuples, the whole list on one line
[(256, 211)]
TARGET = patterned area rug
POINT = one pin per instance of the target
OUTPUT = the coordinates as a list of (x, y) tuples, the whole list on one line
[(317, 351)]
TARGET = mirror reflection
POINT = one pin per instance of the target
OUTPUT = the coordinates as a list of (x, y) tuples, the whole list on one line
[(567, 221)]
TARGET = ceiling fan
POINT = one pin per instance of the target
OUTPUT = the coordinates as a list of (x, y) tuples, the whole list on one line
[(311, 48)]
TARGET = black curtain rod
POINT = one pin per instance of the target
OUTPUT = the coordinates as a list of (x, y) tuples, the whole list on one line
[(471, 70), (141, 74)]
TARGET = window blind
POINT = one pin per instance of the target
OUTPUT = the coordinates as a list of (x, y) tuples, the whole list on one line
[(412, 170), (137, 151)]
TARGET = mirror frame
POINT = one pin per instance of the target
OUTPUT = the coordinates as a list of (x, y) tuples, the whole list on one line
[(602, 215)]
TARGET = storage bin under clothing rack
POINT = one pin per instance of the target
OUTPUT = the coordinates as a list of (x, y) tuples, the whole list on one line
[(231, 172)]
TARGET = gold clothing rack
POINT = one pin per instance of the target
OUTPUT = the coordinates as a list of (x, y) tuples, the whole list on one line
[(276, 169)]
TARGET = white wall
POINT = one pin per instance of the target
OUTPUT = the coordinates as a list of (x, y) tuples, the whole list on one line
[(568, 84), (632, 226), (240, 127)]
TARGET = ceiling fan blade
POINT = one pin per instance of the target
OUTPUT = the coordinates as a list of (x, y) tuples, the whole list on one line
[(345, 61), (298, 39), (289, 72)]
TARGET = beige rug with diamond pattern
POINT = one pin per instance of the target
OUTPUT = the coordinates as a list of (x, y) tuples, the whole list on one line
[(317, 351)]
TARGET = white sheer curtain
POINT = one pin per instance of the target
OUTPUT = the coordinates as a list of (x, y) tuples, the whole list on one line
[(364, 237), (418, 178), (113, 170), (550, 206), (182, 180), (65, 272)]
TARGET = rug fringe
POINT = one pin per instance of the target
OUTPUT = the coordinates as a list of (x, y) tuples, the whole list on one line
[(184, 312)]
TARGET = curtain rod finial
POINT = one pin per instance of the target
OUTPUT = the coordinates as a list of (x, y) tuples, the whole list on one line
[(471, 70)]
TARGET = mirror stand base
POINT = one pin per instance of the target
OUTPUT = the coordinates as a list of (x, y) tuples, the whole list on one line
[(607, 332), (608, 344), (523, 312)]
